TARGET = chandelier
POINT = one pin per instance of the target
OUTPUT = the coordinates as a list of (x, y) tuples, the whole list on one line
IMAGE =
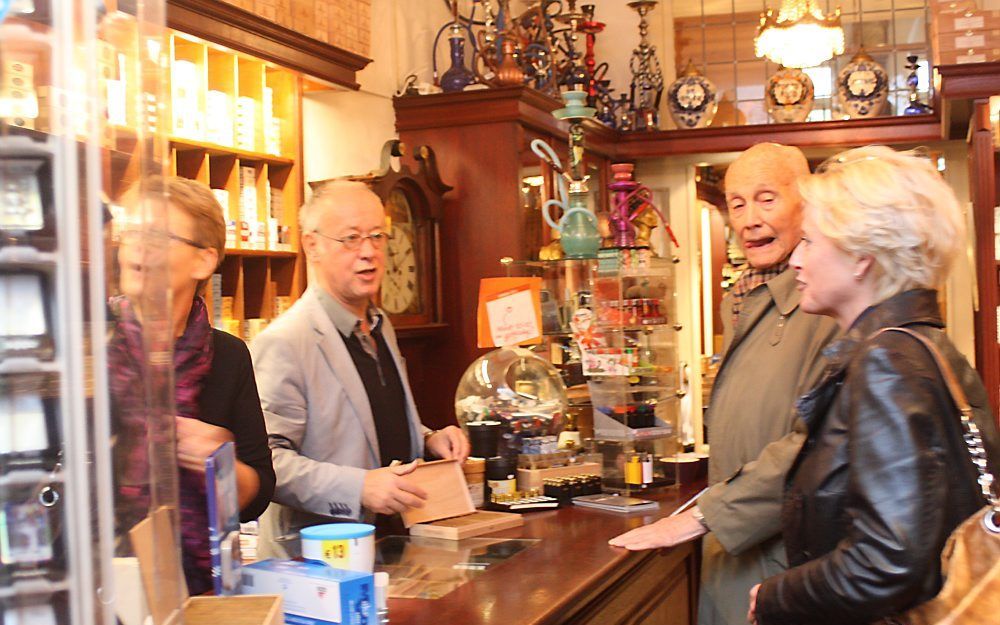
[(799, 35)]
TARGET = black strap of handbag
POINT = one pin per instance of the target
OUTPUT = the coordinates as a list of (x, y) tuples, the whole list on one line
[(973, 438)]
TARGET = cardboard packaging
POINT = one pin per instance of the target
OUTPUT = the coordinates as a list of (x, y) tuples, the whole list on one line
[(959, 57), (969, 40), (163, 584), (314, 593), (963, 21)]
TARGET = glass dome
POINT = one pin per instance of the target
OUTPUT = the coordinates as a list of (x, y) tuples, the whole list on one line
[(514, 386)]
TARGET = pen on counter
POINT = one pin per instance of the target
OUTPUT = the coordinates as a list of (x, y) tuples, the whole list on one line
[(689, 502)]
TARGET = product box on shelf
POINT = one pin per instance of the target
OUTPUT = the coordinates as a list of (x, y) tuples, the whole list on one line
[(12, 68), (23, 79), (219, 120), (187, 114), (964, 32), (969, 40), (18, 102), (314, 593), (964, 21), (961, 57)]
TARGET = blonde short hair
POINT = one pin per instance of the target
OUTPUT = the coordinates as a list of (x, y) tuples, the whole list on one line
[(892, 206), (193, 198)]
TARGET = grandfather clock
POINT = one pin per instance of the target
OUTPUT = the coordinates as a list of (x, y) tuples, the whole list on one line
[(411, 288)]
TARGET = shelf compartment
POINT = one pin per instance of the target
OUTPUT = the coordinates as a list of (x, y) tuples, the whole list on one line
[(182, 144)]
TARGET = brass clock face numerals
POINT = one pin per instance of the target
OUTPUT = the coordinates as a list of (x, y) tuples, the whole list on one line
[(400, 285)]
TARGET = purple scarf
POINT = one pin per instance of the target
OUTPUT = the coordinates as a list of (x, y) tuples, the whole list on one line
[(192, 362)]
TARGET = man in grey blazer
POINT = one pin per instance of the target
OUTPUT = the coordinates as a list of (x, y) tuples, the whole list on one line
[(333, 385)]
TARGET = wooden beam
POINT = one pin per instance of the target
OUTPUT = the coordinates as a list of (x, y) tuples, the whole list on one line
[(528, 107), (883, 130), (968, 81)]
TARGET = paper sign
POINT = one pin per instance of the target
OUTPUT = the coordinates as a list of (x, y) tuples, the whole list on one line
[(510, 312)]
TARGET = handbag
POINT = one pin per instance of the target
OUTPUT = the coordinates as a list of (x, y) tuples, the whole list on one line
[(970, 561)]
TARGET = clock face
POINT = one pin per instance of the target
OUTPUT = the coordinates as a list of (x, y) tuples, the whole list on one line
[(400, 285)]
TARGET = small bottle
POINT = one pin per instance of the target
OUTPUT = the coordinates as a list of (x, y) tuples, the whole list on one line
[(647, 468), (382, 597)]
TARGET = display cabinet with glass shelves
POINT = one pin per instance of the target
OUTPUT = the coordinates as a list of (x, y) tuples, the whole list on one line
[(62, 159), (610, 326)]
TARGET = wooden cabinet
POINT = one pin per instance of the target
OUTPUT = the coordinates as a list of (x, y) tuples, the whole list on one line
[(969, 88), (481, 139)]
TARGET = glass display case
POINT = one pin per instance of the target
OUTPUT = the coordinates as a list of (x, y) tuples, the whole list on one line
[(80, 124), (518, 391), (610, 328)]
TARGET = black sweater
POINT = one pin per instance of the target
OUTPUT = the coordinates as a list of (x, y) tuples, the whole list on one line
[(229, 399)]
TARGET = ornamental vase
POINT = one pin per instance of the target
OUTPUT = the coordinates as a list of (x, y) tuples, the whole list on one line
[(789, 95), (691, 99), (862, 87)]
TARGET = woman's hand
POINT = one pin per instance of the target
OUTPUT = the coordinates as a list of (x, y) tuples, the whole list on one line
[(752, 613), (196, 440)]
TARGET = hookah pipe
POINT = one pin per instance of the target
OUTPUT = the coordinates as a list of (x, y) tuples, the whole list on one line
[(455, 26), (632, 194), (531, 29), (545, 152), (591, 29)]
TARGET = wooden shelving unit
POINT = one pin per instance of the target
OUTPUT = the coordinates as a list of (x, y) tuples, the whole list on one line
[(251, 276)]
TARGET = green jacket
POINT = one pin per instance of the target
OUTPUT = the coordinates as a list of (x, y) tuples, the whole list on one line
[(770, 358)]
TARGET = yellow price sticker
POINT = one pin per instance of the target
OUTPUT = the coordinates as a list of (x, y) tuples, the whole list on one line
[(335, 549)]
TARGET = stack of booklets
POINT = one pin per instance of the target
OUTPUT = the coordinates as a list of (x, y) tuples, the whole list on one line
[(615, 503)]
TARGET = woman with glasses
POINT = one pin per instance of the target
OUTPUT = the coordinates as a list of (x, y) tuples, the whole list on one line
[(215, 394), (884, 475)]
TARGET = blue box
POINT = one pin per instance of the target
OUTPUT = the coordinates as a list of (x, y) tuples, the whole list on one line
[(314, 593)]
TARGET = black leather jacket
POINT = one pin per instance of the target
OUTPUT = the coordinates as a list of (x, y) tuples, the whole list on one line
[(883, 477)]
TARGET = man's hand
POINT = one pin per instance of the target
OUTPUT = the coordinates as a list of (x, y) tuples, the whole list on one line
[(386, 491), (664, 533), (449, 443), (752, 613), (196, 440)]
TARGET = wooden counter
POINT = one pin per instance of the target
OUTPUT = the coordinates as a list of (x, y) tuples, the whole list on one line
[(573, 576)]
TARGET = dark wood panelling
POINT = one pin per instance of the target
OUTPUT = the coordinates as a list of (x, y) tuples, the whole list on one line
[(983, 186), (482, 162), (969, 81)]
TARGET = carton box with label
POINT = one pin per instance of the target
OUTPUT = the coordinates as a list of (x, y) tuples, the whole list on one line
[(314, 593)]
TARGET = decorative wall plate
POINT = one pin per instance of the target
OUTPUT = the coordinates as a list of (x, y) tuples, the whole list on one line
[(789, 95), (862, 87), (691, 99)]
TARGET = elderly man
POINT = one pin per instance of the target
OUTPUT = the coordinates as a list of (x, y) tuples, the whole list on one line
[(771, 356), (339, 412)]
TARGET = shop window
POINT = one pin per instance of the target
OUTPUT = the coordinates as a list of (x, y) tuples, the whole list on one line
[(718, 36)]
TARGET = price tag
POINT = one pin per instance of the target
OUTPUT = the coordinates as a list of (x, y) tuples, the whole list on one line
[(335, 550)]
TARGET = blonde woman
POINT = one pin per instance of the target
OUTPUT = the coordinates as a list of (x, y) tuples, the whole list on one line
[(884, 476)]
